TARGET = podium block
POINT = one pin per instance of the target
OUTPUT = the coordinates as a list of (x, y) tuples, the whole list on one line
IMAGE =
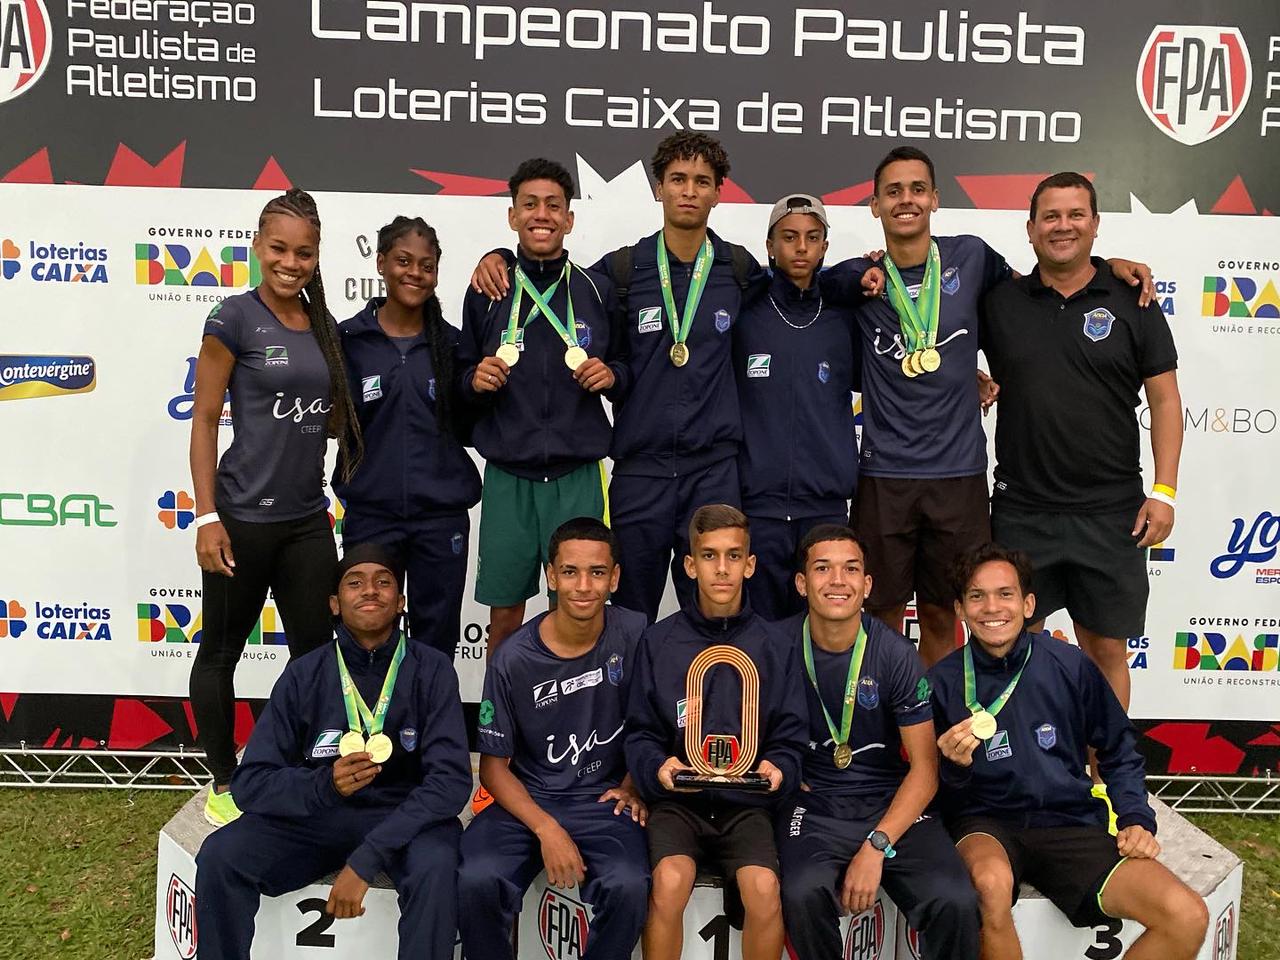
[(553, 922)]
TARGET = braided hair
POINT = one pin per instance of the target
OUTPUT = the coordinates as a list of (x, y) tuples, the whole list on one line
[(343, 423), (434, 326)]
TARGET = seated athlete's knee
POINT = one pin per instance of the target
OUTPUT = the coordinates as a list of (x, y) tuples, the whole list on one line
[(994, 886), (1184, 916), (760, 890), (672, 885)]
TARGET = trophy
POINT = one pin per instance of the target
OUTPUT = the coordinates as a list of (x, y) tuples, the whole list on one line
[(721, 760)]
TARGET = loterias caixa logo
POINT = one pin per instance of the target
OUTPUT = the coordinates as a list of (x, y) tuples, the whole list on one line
[(1194, 81), (26, 40)]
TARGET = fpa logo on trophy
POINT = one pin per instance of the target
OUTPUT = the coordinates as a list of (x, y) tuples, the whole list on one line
[(722, 760)]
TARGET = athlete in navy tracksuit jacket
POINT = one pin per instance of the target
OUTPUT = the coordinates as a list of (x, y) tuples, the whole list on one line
[(795, 356), (676, 430), (297, 827), (416, 482)]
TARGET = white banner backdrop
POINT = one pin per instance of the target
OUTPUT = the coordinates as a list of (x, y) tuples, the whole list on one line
[(103, 293)]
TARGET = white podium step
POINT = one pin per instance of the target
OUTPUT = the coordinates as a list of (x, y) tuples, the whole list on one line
[(553, 924)]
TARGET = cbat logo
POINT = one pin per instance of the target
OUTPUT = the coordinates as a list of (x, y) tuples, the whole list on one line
[(24, 376), (1218, 651), (758, 365), (26, 41), (182, 407), (562, 925), (180, 910), (177, 509), (12, 619), (1238, 298), (865, 939), (177, 265), (1194, 81), (1254, 543), (47, 510), (10, 265)]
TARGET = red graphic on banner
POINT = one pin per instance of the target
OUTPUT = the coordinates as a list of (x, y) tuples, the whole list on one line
[(7, 702), (851, 196), (730, 192), (1002, 191), (1269, 739), (134, 725), (130, 170), (35, 169), (272, 177), (1235, 199), (462, 185), (1194, 751)]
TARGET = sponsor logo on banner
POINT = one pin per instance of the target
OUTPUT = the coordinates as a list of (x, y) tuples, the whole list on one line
[(195, 264), (562, 925), (177, 509), (1165, 289), (182, 406), (52, 262), (337, 512), (1136, 650), (173, 629), (54, 621), (1231, 300), (26, 42), (865, 939), (180, 910), (1224, 933), (1224, 421), (10, 265), (1239, 650), (1251, 543), (24, 376), (1194, 81), (363, 289), (48, 510)]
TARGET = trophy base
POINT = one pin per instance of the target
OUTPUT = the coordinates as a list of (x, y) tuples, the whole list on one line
[(749, 782)]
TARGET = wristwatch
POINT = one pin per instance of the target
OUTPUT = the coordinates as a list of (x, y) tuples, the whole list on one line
[(880, 840)]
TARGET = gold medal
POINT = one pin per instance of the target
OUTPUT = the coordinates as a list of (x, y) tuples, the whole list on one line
[(350, 743), (575, 357), (930, 360), (843, 755), (915, 362), (984, 725), (679, 354), (379, 748), (509, 354), (906, 366)]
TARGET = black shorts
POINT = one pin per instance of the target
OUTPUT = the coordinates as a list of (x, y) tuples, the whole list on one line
[(1070, 866), (912, 529), (1087, 563), (723, 840)]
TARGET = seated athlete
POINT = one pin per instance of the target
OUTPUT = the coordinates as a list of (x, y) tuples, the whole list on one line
[(728, 828), (1020, 807), (861, 822), (317, 796), (550, 739)]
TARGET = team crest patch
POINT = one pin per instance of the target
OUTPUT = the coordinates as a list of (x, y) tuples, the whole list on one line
[(583, 333), (950, 281), (371, 388), (456, 543), (868, 693), (409, 738), (326, 744), (998, 746), (614, 666), (1046, 736), (650, 319), (431, 388), (758, 365), (824, 371), (723, 320), (1097, 324)]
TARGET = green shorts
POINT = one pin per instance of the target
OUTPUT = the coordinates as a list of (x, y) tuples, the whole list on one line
[(517, 518)]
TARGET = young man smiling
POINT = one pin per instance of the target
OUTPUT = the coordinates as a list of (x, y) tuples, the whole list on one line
[(534, 364), (870, 772), (1018, 710), (318, 796), (551, 755), (729, 827)]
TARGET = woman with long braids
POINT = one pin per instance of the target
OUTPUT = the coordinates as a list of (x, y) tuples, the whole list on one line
[(260, 510), (416, 482)]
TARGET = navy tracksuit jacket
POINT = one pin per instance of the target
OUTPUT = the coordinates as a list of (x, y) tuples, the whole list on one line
[(796, 372), (296, 827), (416, 482), (1032, 772)]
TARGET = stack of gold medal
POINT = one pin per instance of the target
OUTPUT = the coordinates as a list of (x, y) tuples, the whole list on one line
[(918, 318), (360, 718)]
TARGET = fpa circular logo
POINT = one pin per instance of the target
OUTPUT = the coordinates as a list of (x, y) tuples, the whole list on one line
[(26, 40), (1194, 81), (865, 939)]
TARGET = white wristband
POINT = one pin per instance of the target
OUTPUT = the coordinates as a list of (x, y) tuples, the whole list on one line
[(206, 518), (1153, 495)]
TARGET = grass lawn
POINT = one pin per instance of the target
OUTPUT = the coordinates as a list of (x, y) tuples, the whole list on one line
[(78, 877)]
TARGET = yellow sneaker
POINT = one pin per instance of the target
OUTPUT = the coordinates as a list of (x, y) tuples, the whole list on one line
[(220, 809), (1100, 791)]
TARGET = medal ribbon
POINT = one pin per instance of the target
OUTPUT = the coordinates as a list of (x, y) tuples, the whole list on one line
[(568, 333), (850, 684), (522, 285), (917, 318), (971, 686), (697, 283), (357, 709)]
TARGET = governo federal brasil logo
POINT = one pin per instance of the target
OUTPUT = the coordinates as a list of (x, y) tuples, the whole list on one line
[(26, 41), (1194, 81)]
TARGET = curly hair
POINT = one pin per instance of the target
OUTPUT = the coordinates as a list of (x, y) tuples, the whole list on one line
[(539, 168), (687, 145)]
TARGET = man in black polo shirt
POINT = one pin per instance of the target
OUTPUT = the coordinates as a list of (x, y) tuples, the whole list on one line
[(1071, 348)]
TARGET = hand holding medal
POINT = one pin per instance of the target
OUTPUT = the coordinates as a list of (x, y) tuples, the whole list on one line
[(360, 718)]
